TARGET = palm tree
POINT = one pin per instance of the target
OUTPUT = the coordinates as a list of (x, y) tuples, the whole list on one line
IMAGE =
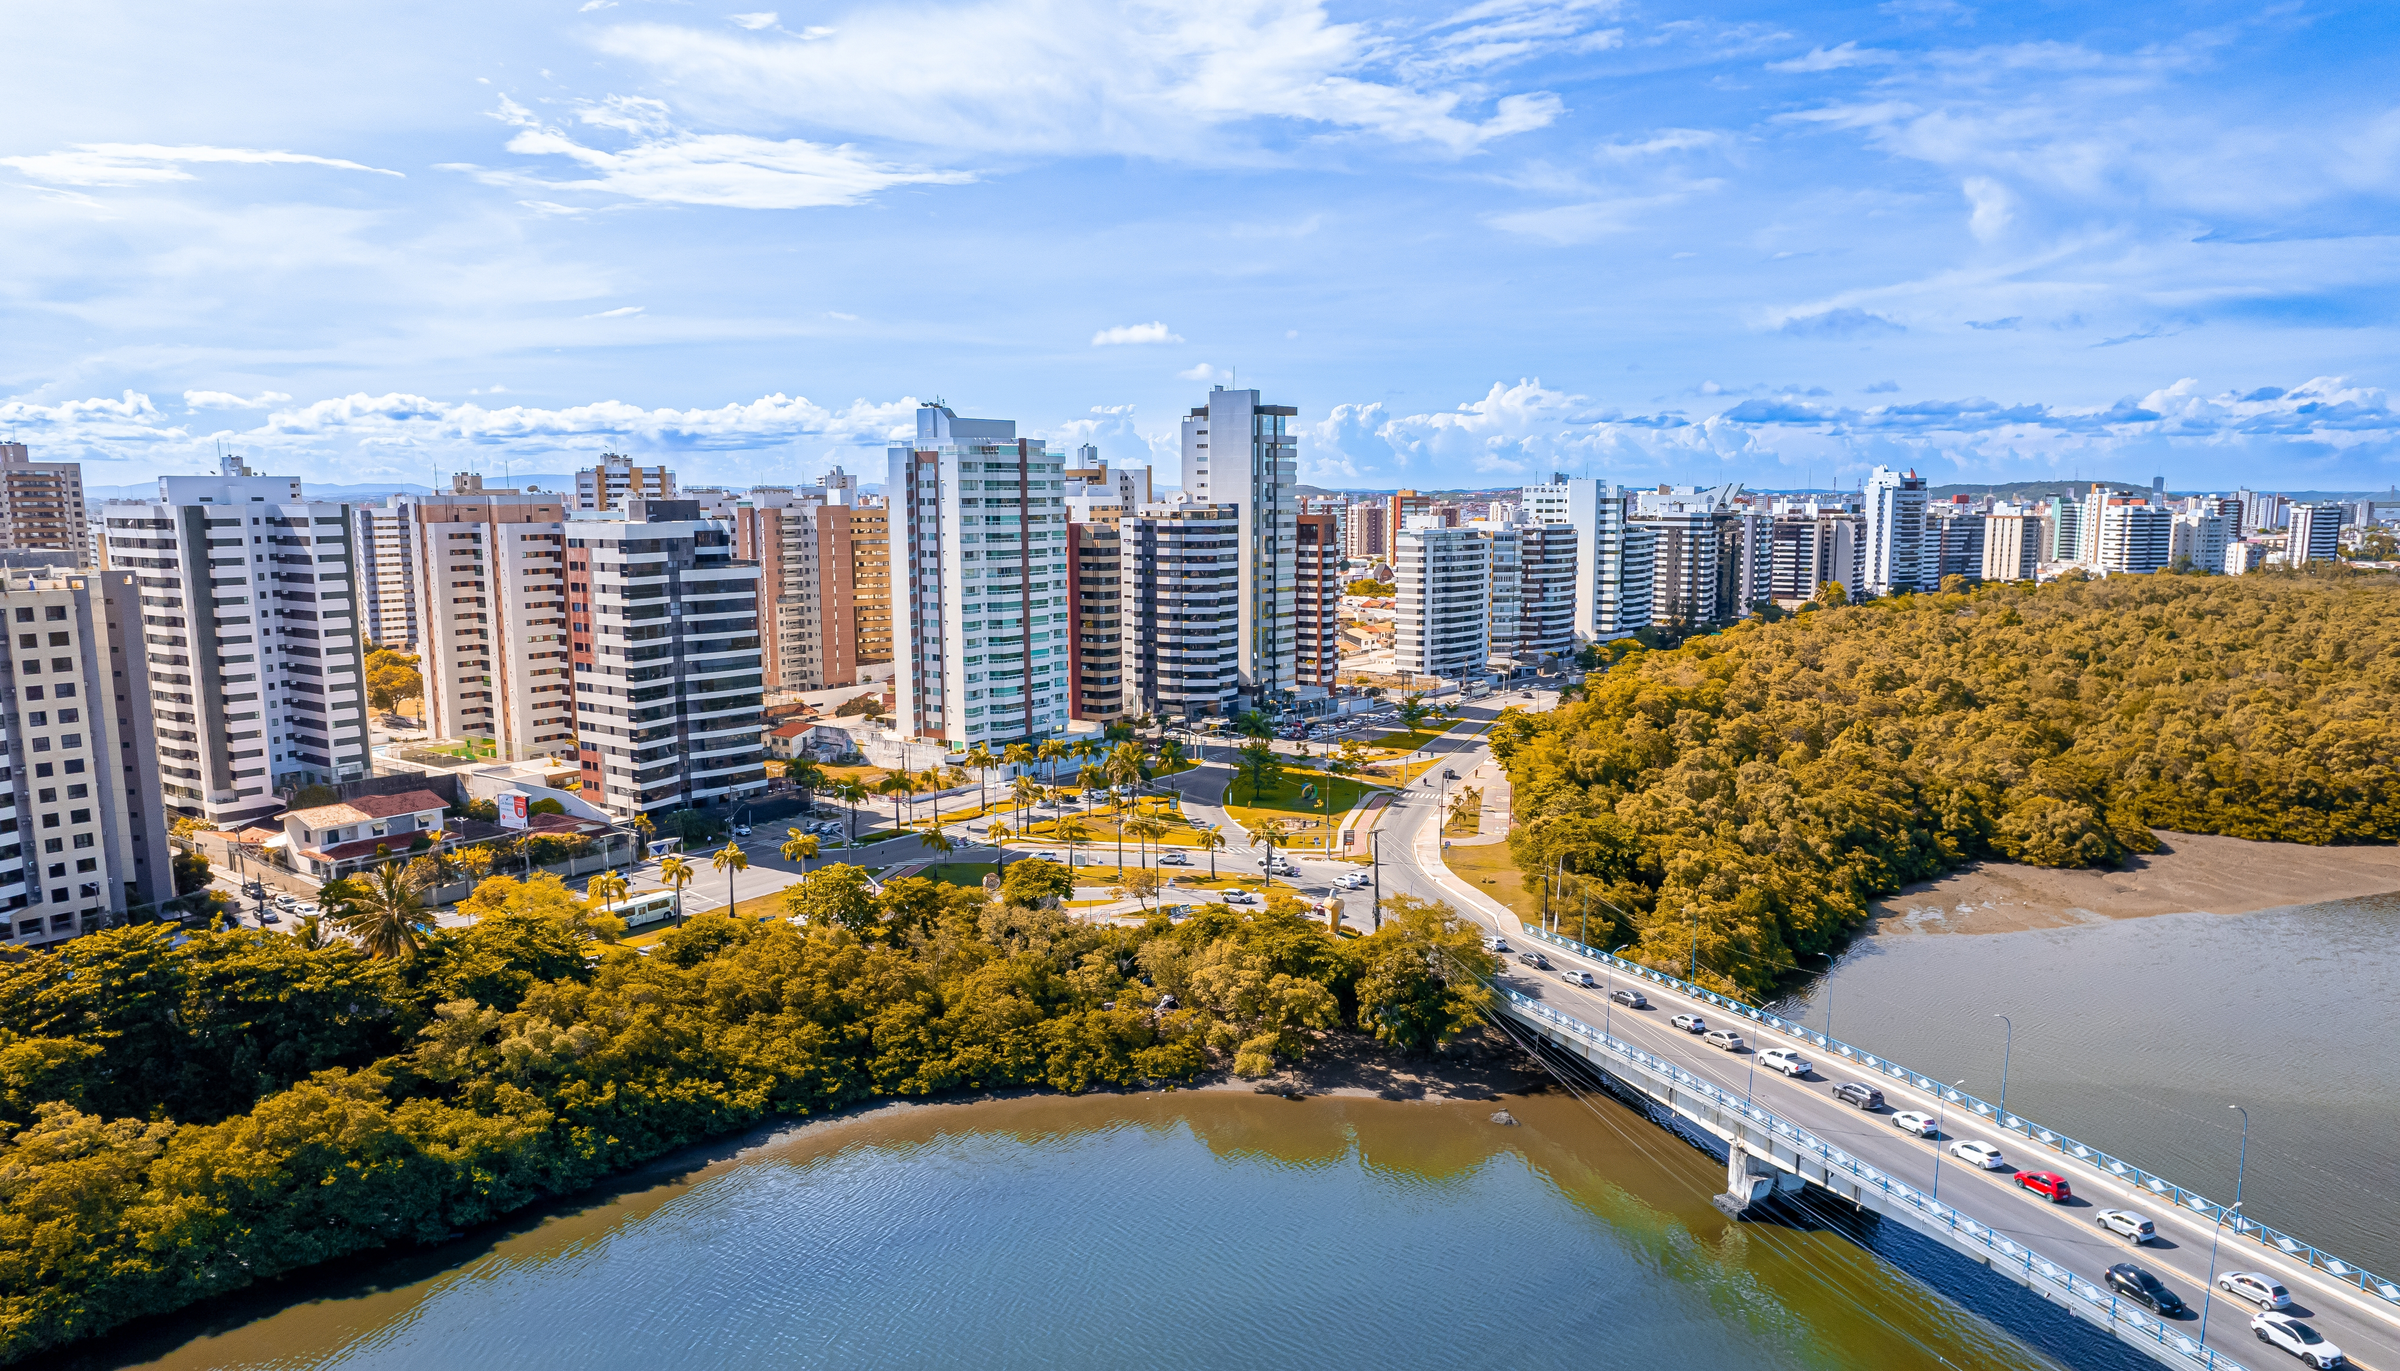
[(610, 887), (1212, 839), (1074, 835), (386, 915), (979, 759), (798, 846), (850, 792), (998, 833), (935, 840), (897, 785), (1148, 830), (1252, 724), (1170, 755), (1052, 751), (730, 859), (1269, 833), (952, 778), (1024, 790), (1090, 778), (808, 777), (676, 871), (1018, 757), (1125, 765), (314, 933), (1085, 749)]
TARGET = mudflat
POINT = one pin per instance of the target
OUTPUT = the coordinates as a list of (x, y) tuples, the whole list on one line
[(2196, 873)]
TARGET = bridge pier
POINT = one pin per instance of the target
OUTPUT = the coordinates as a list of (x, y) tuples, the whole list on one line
[(1750, 1183)]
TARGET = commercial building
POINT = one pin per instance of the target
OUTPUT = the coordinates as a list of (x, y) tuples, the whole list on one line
[(1614, 563), (1316, 601), (982, 608), (387, 574), (1096, 651), (1183, 597), (82, 837), (1441, 619), (2315, 535), (41, 508), (492, 611), (669, 681), (2012, 544), (1239, 452), (252, 638), (1895, 533), (618, 479)]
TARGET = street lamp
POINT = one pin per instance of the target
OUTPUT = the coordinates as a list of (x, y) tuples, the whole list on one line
[(2241, 1164), (1941, 1131), (2005, 1044), (1608, 1007)]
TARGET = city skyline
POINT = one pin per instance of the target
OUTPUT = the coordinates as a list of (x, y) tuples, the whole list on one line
[(1675, 245)]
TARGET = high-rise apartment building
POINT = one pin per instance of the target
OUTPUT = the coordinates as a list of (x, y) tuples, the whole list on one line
[(618, 479), (1895, 533), (1684, 561), (825, 584), (1402, 507), (387, 576), (1127, 487), (2246, 555), (1097, 650), (2315, 535), (1614, 563), (1316, 600), (1954, 543), (1547, 504), (1182, 608), (982, 602), (1237, 451), (41, 507), (1442, 625), (83, 837), (492, 613), (253, 639), (2012, 544), (1504, 585), (1546, 593), (669, 681), (2202, 537), (1807, 550), (1367, 532), (2135, 537)]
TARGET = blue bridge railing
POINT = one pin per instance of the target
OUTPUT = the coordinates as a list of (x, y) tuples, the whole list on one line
[(2350, 1274)]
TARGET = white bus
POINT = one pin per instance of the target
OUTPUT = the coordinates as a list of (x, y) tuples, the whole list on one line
[(649, 907)]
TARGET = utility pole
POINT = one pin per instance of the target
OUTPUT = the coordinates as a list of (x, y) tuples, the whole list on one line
[(1375, 865)]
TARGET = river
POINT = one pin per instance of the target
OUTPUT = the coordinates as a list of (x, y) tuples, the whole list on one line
[(2134, 1035), (1195, 1229)]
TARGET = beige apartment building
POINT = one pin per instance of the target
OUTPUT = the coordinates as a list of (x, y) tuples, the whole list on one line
[(41, 507), (492, 617)]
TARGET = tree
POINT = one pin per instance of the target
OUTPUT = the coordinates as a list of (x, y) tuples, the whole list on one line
[(675, 872), (979, 759), (1074, 834), (1832, 594), (315, 934), (1262, 765), (1270, 834), (1424, 977), (1019, 757), (1052, 751), (808, 778), (610, 887), (799, 845), (1250, 723), (1089, 780), (1170, 755), (1212, 839), (1412, 711), (849, 792), (731, 860), (898, 784), (391, 678), (1149, 830), (1140, 886), (1035, 879), (936, 841), (1085, 749), (386, 916), (1024, 791), (840, 895)]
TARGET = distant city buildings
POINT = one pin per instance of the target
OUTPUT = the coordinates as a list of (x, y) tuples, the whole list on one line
[(617, 479), (42, 509), (1895, 532)]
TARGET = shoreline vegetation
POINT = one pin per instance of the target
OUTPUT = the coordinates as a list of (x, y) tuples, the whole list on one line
[(1741, 801), (185, 1115)]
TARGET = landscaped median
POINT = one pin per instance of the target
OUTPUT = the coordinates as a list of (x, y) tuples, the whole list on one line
[(1311, 822)]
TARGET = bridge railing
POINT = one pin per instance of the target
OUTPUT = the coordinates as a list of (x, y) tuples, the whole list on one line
[(2350, 1274), (2036, 1268)]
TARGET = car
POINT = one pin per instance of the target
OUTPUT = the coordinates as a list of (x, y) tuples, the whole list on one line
[(305, 910), (1910, 1121), (1690, 1023), (286, 901), (1785, 1060), (2140, 1286), (2264, 1291), (1356, 880), (1535, 960), (1047, 856), (270, 917), (2297, 1338), (2048, 1184), (1723, 1039), (1981, 1154), (1581, 978), (1858, 1095), (1527, 694), (741, 830), (2137, 1229), (1497, 945), (1631, 999), (1239, 897), (1173, 859)]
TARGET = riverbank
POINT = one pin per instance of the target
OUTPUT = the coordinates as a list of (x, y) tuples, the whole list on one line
[(2194, 874)]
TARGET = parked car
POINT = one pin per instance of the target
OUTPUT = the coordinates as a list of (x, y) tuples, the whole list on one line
[(1631, 999), (1528, 694), (1581, 978), (286, 901), (1976, 1153), (1858, 1095), (2137, 1228), (2048, 1184), (1724, 1039), (2140, 1286), (270, 917), (1910, 1121), (2297, 1338), (1047, 856), (1173, 859), (1785, 1060), (1356, 880), (2264, 1291), (1690, 1023), (1535, 960)]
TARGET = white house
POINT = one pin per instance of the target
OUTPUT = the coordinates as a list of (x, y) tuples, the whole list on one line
[(329, 840)]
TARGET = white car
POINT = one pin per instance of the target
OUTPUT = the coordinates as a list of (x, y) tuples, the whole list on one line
[(1981, 1154), (741, 830), (1354, 881), (1239, 897), (1047, 856), (2264, 1291), (2136, 1229), (2297, 1338), (1910, 1121), (1785, 1060), (1581, 978)]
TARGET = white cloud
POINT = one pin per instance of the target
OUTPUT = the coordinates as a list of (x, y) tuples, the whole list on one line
[(1571, 224), (1152, 332), (666, 165), (1497, 33), (134, 164), (1172, 78), (618, 313), (589, 5), (218, 399), (1994, 206), (765, 19), (1832, 59), (1203, 372)]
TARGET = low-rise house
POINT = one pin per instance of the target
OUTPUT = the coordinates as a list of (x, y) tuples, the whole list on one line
[(338, 839), (785, 740)]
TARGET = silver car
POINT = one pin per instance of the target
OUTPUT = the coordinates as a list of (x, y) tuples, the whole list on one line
[(1724, 1039), (2137, 1228), (2264, 1291)]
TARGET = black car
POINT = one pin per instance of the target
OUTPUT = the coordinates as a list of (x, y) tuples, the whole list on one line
[(1534, 959), (1858, 1096), (2136, 1284), (1631, 999)]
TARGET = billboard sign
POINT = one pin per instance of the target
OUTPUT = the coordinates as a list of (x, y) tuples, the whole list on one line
[(512, 805)]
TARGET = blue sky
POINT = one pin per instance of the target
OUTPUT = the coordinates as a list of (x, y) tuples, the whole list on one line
[(1473, 244)]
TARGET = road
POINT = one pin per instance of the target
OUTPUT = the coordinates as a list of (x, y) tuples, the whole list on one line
[(2065, 1233)]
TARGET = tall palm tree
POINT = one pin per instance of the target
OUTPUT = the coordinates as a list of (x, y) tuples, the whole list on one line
[(1269, 833), (1252, 724), (952, 778), (610, 887), (808, 778), (1024, 790), (1170, 755), (1212, 839), (1125, 765), (1074, 835), (979, 759), (1085, 748), (387, 914), (1018, 757), (935, 840), (315, 933), (1148, 830), (1090, 778), (730, 859), (896, 785), (676, 872), (849, 792), (798, 846), (1052, 751)]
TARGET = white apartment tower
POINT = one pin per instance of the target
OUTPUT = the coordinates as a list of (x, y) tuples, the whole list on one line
[(387, 576), (982, 604), (2202, 537), (2012, 544), (2136, 537), (2315, 534), (1442, 625), (1895, 533), (1182, 593), (252, 633), (618, 479), (1613, 561), (1239, 452)]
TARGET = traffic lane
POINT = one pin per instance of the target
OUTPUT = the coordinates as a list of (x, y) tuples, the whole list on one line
[(2068, 1234)]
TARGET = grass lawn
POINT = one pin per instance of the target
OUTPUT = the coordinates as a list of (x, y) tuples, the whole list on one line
[(1495, 873), (1282, 801), (968, 874), (1415, 739)]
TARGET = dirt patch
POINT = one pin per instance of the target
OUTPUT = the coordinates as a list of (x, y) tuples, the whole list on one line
[(2196, 873)]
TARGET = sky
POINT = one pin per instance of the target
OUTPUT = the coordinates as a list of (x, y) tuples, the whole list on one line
[(1473, 244)]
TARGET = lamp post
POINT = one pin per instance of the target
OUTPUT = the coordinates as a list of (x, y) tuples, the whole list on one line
[(1608, 1007), (1941, 1131), (2241, 1164), (2005, 1044), (1375, 865)]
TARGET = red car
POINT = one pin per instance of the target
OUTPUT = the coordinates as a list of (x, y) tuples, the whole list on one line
[(2046, 1183)]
